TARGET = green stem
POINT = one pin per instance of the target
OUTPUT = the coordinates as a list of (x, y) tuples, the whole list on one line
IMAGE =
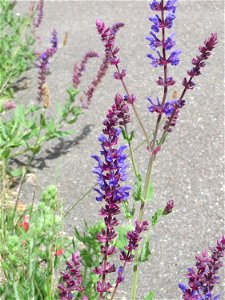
[(134, 109), (131, 153), (150, 164), (2, 199)]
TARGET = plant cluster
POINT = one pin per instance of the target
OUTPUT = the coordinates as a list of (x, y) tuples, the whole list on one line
[(32, 243), (30, 249), (17, 47), (111, 168)]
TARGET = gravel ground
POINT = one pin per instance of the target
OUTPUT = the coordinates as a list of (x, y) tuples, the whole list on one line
[(189, 169)]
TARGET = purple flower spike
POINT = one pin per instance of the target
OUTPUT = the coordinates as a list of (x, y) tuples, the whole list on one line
[(80, 68), (96, 81), (161, 23), (72, 279), (111, 172), (40, 10), (133, 241), (54, 40), (44, 64), (203, 277), (108, 37), (199, 61)]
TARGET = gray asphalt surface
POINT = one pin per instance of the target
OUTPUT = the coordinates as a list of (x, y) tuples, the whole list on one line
[(190, 167)]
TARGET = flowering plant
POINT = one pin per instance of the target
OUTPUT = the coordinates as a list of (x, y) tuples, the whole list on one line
[(133, 245)]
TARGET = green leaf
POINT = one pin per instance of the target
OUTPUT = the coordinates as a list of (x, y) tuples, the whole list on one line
[(128, 213), (125, 136), (131, 135), (6, 152), (122, 241), (36, 149), (16, 173), (150, 296), (59, 109), (137, 194), (42, 120), (150, 193), (145, 251), (156, 216)]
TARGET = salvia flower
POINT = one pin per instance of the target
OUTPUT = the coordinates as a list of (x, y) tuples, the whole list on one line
[(72, 279), (162, 22), (108, 37), (167, 109), (43, 64), (134, 237), (54, 40), (203, 277), (169, 207), (199, 60), (95, 82), (172, 117), (40, 11), (80, 68), (111, 172)]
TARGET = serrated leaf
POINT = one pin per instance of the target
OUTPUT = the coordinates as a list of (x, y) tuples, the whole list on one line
[(145, 251), (137, 194), (150, 296), (150, 193), (156, 216)]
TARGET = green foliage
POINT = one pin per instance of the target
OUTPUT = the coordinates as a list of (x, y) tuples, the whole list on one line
[(16, 47), (126, 136), (90, 255), (128, 213), (157, 216), (122, 240), (28, 250), (28, 128), (145, 251), (137, 192), (150, 296), (150, 193)]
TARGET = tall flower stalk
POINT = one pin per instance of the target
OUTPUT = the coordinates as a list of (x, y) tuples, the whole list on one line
[(111, 172), (172, 107), (160, 22), (80, 68), (108, 38), (111, 169), (43, 64)]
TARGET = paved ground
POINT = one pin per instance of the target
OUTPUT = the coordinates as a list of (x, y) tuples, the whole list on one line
[(190, 167)]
